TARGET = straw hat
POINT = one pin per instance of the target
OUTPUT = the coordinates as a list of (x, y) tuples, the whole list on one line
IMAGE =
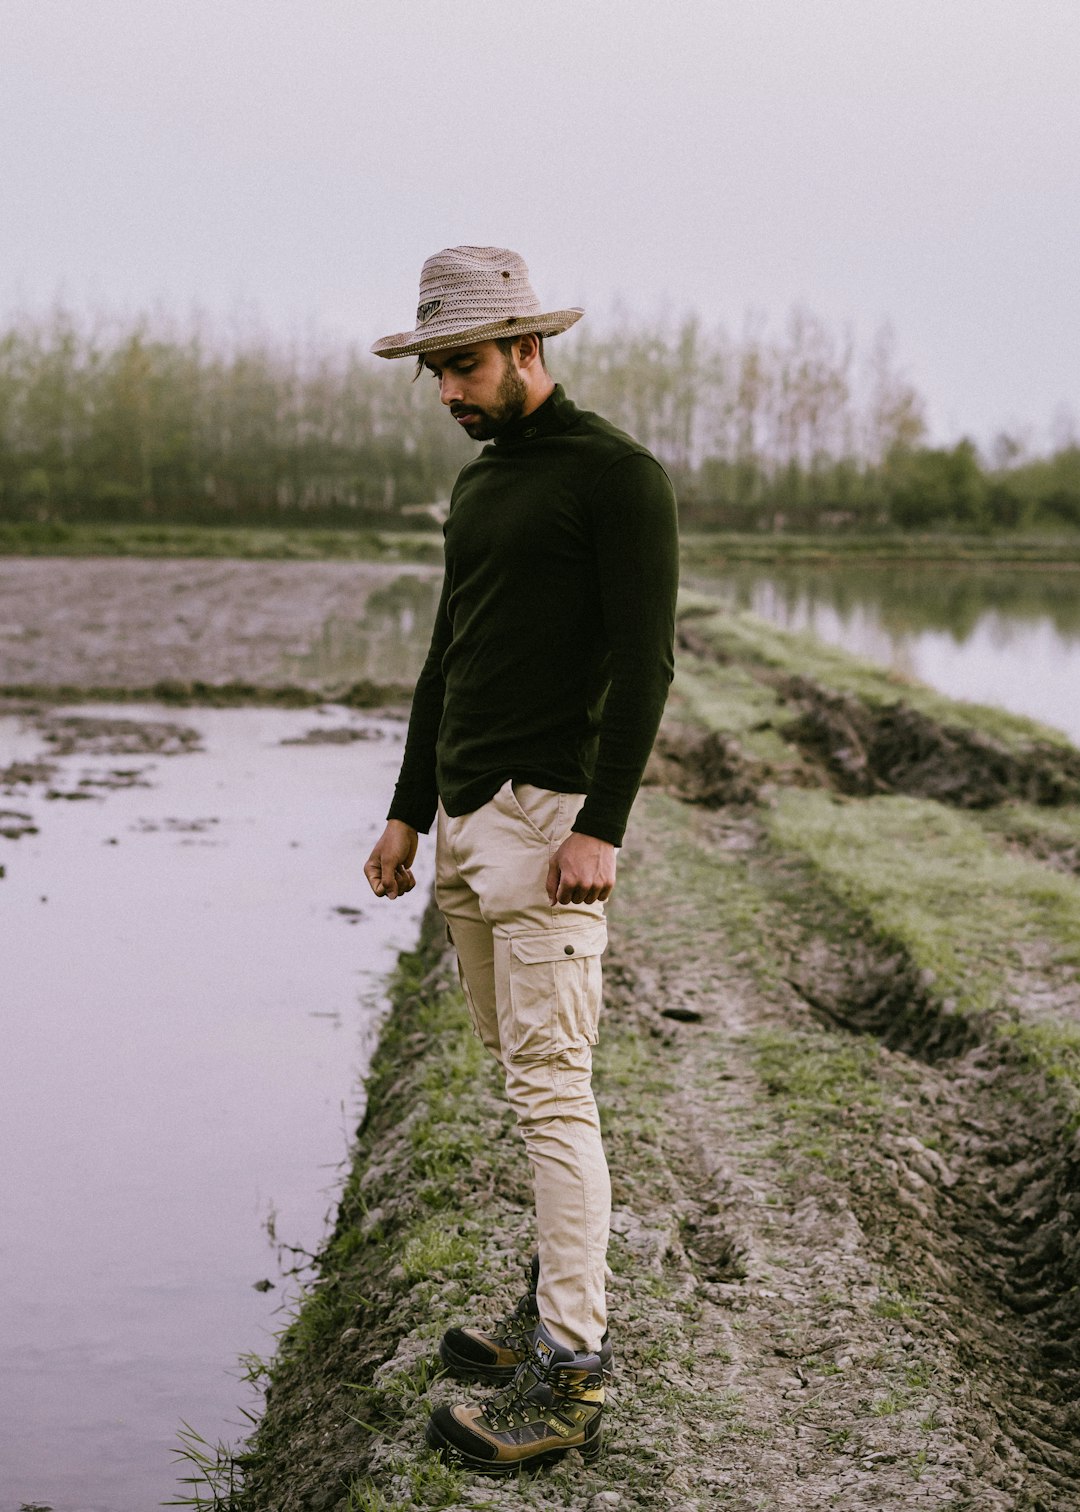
[(474, 294)]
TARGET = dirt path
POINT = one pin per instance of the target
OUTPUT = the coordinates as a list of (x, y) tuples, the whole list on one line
[(876, 1239)]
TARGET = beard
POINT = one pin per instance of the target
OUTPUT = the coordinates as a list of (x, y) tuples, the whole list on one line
[(507, 405)]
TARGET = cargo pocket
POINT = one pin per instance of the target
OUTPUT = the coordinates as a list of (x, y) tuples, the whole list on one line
[(555, 989)]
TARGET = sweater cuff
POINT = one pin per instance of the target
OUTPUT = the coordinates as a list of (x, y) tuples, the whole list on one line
[(418, 818), (610, 828)]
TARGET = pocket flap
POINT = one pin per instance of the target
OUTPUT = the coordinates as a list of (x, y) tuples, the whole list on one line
[(569, 942)]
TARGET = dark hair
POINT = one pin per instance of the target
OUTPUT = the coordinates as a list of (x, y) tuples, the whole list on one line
[(505, 345)]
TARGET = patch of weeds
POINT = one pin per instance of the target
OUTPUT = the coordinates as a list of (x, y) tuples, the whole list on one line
[(424, 1479), (254, 1369), (434, 1484), (324, 1309), (1054, 1046), (364, 1497), (216, 1477), (411, 1385), (432, 1247), (905, 1304), (888, 1404), (825, 1083)]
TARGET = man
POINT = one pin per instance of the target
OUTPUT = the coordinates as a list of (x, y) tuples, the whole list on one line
[(531, 724)]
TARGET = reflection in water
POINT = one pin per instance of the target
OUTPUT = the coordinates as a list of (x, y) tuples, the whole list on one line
[(387, 645), (196, 984), (989, 636)]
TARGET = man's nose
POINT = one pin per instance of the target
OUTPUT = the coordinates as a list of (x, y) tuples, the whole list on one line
[(449, 388)]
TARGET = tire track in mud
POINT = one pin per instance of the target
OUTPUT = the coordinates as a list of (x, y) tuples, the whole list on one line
[(999, 1219), (969, 1190)]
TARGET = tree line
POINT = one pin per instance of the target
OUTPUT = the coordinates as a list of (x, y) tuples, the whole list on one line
[(788, 429)]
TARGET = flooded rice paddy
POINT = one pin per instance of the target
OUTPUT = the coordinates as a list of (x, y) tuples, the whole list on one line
[(192, 977)]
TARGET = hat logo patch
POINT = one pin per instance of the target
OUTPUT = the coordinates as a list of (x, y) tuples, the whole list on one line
[(427, 310)]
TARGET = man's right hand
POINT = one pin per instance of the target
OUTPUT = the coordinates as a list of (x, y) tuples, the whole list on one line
[(387, 868)]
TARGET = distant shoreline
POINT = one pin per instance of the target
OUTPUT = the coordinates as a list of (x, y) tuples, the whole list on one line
[(367, 544)]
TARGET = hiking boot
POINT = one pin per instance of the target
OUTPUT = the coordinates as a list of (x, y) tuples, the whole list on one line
[(473, 1354), (555, 1403)]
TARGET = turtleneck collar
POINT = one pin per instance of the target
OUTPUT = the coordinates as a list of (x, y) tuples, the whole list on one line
[(556, 414)]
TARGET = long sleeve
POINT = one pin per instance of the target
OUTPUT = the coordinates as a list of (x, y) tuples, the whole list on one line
[(416, 795), (636, 541)]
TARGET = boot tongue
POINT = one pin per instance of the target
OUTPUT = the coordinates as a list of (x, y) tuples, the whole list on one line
[(541, 1393)]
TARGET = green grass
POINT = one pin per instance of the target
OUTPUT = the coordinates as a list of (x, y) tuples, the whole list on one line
[(237, 541), (928, 878), (702, 549), (1045, 831), (821, 1078), (432, 1248), (731, 700)]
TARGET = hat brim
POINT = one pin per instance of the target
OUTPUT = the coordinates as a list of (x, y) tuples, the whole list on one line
[(411, 344)]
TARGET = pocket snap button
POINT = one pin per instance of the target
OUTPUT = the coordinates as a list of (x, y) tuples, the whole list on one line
[(568, 949)]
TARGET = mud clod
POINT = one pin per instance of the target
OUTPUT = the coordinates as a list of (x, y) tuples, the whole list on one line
[(85, 735), (862, 749), (14, 824), (702, 767)]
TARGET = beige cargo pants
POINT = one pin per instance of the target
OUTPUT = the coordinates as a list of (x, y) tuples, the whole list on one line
[(531, 977)]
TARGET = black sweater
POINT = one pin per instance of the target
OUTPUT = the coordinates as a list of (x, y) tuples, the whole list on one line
[(551, 655)]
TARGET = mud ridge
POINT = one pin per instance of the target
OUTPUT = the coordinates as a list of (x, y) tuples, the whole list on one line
[(358, 695), (863, 749), (702, 766)]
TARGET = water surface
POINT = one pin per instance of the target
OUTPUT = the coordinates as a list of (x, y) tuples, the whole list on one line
[(192, 973), (1009, 638)]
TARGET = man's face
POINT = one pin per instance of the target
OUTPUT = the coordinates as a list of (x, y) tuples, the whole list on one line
[(481, 385)]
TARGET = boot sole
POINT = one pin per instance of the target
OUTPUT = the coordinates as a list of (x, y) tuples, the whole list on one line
[(469, 1370), (496, 1375), (452, 1454)]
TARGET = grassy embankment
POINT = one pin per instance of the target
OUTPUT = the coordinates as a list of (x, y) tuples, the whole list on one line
[(247, 542), (228, 541), (840, 1081)]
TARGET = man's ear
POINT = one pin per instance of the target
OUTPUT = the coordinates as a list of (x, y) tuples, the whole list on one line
[(528, 350)]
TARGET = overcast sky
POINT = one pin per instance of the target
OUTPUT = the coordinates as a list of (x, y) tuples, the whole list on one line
[(916, 161)]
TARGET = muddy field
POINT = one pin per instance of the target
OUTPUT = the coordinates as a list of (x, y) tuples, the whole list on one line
[(840, 1082), (131, 625)]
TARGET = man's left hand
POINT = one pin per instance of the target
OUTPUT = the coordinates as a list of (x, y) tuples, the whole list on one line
[(582, 870)]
